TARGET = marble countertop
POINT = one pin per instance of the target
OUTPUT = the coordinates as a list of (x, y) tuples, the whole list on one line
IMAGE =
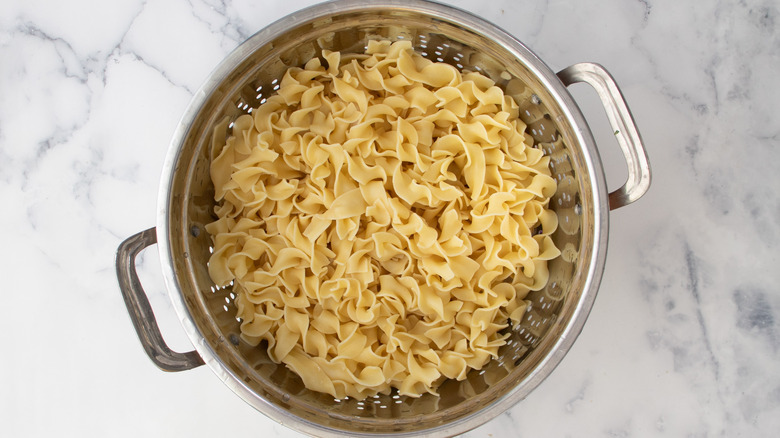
[(684, 336)]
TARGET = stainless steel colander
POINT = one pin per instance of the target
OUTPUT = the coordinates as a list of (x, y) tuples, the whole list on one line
[(555, 315)]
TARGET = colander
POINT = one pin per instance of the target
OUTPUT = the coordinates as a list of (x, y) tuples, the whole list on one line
[(555, 315)]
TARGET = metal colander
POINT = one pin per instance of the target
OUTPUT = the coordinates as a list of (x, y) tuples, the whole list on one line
[(555, 314)]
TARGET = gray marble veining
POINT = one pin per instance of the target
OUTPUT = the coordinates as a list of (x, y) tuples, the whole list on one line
[(683, 339)]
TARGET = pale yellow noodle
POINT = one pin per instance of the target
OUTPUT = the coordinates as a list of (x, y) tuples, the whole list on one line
[(379, 219)]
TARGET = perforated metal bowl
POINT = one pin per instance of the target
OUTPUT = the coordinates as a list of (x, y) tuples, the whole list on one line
[(555, 315)]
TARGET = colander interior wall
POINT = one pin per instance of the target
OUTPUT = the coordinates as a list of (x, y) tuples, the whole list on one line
[(255, 75)]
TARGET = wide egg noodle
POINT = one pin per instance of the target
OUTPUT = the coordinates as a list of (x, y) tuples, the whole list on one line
[(381, 219)]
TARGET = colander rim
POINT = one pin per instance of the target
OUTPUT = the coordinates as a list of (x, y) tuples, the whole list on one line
[(443, 12)]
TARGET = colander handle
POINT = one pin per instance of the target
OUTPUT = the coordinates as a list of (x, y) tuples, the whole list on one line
[(141, 311), (622, 122)]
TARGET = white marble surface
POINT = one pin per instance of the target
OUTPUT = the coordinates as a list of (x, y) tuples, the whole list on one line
[(684, 337)]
